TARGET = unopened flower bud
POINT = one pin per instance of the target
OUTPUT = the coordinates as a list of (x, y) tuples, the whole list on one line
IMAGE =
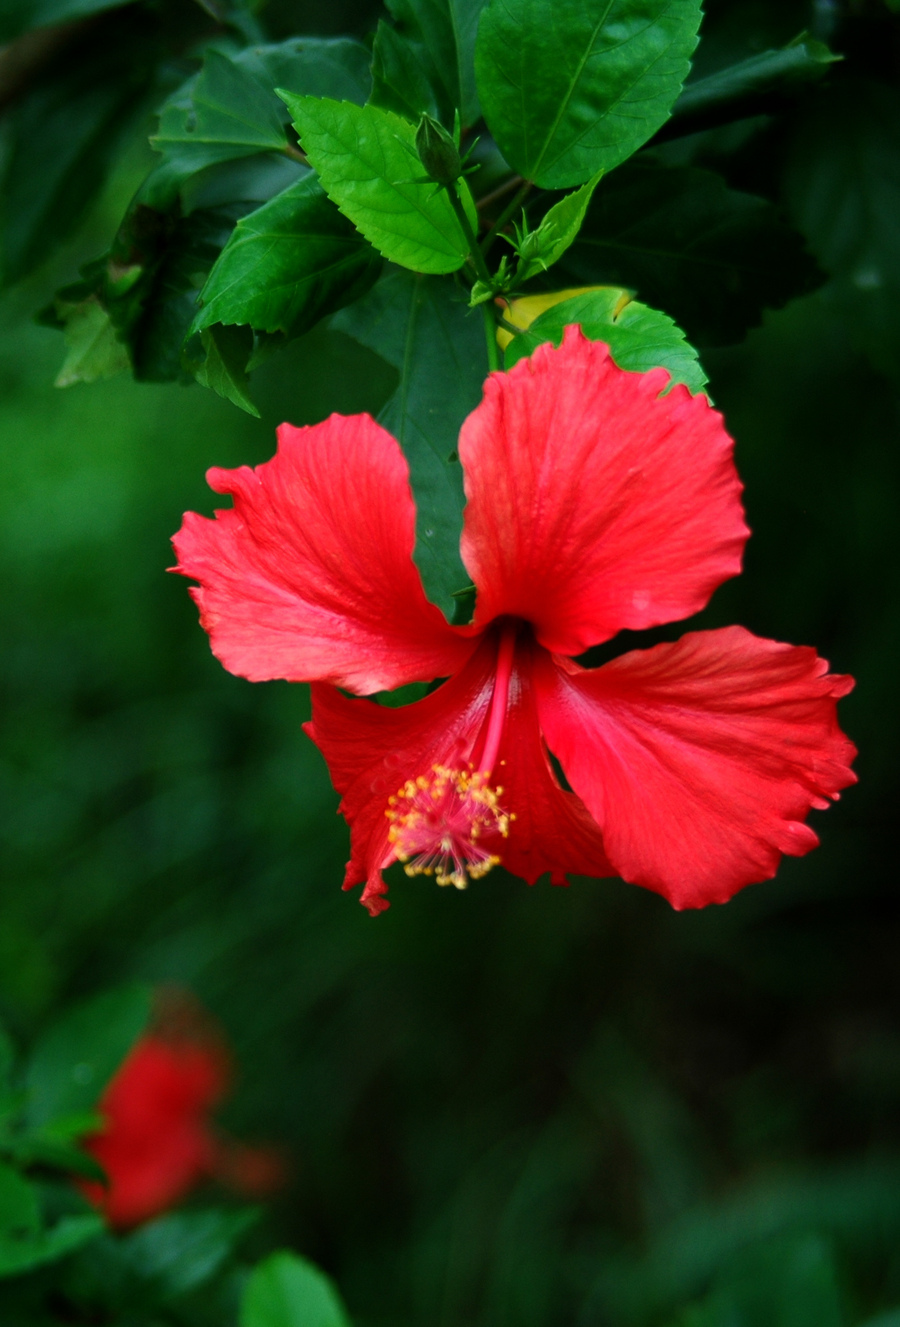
[(437, 152)]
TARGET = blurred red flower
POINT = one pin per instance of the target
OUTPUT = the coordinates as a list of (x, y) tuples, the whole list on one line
[(159, 1142), (594, 503)]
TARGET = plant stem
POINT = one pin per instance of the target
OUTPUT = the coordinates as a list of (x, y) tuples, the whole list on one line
[(508, 211), (475, 253)]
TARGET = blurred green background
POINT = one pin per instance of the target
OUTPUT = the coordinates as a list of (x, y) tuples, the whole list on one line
[(510, 1107)]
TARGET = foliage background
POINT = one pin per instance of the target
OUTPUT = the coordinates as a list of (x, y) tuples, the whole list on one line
[(510, 1106)]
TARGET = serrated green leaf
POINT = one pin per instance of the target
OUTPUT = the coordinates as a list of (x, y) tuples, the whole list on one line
[(288, 264), (573, 87), (221, 362), (74, 1060), (423, 327), (557, 231), (843, 187), (710, 256), (638, 338), (367, 164), (287, 1291), (95, 351)]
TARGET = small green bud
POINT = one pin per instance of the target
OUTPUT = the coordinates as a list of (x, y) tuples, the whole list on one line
[(437, 152)]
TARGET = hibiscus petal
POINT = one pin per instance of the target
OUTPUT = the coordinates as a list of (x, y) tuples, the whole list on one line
[(310, 576), (372, 751), (594, 503), (700, 760)]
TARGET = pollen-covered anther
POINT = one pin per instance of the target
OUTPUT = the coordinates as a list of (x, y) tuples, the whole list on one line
[(437, 820)]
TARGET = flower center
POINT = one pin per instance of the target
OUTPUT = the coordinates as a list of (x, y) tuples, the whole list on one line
[(438, 819)]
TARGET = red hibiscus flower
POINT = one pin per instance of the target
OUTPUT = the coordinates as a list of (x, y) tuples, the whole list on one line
[(158, 1142), (594, 503)]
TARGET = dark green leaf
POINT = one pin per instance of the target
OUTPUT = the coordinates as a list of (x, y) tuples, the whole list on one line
[(224, 112), (22, 15), (75, 120), (221, 363), (740, 88), (229, 110), (423, 327), (367, 163), (557, 231), (94, 349), (435, 43), (287, 1291), (180, 1252), (75, 1059), (23, 1243), (843, 186), (573, 87), (288, 264), (683, 241), (638, 338), (41, 1149), (400, 81)]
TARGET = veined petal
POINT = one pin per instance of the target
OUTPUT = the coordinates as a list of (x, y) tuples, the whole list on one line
[(310, 576), (700, 760), (372, 751), (594, 503)]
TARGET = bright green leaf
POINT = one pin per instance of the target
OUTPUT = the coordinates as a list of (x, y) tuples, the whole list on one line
[(288, 264), (558, 229), (423, 327), (710, 256), (573, 87), (288, 1291), (221, 363), (367, 164), (638, 338), (75, 1059)]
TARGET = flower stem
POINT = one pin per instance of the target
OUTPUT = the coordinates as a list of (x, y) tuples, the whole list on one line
[(475, 253), (508, 211)]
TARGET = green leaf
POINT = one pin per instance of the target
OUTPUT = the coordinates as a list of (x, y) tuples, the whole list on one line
[(573, 87), (367, 163), (75, 1059), (400, 80), (558, 229), (288, 1291), (767, 74), (230, 110), (41, 1149), (23, 1243), (221, 363), (180, 1252), (22, 15), (710, 256), (638, 338), (423, 327), (288, 264), (224, 112), (434, 45), (95, 350), (843, 187), (75, 119)]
